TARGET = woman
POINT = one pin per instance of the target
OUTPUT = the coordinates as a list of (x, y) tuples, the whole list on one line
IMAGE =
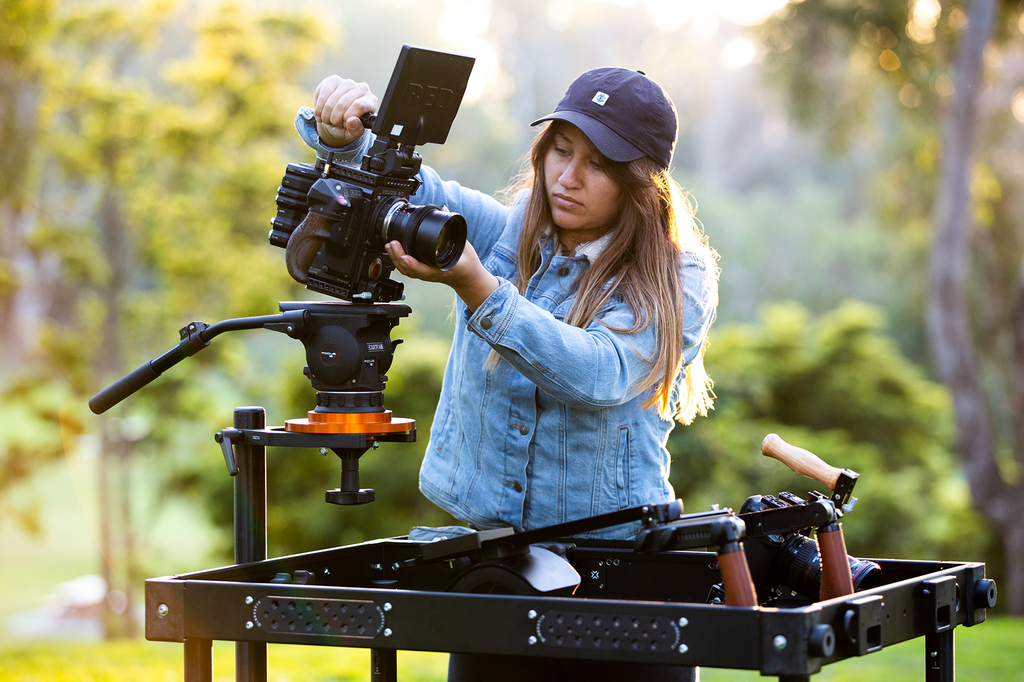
[(585, 306)]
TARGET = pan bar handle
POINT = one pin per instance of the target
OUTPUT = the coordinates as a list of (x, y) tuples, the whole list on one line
[(801, 461)]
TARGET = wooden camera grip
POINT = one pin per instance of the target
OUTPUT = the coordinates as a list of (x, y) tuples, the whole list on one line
[(836, 578), (736, 579), (801, 461)]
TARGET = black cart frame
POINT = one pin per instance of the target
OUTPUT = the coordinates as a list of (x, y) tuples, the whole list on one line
[(644, 608)]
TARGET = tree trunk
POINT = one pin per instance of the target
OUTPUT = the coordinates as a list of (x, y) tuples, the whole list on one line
[(109, 363), (1016, 374), (948, 311)]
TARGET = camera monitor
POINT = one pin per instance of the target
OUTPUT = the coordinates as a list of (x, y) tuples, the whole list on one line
[(423, 96)]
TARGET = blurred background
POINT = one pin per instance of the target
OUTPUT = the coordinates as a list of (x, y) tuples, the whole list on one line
[(856, 164)]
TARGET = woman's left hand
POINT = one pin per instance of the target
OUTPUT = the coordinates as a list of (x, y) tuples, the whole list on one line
[(469, 278)]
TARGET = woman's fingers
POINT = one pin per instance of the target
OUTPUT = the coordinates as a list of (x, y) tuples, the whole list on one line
[(339, 104), (409, 266)]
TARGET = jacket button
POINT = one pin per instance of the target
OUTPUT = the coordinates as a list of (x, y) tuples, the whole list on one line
[(563, 271), (524, 429), (517, 487), (486, 323)]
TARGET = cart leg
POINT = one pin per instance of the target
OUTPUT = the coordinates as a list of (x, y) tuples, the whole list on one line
[(250, 529), (939, 657), (198, 660), (250, 661), (383, 665)]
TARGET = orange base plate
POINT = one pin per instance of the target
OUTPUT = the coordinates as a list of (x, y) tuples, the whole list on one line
[(351, 422)]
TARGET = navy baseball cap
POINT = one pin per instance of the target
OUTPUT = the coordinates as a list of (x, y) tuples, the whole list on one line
[(625, 114)]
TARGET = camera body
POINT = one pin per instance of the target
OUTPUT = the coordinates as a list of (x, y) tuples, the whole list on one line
[(361, 211), (789, 562), (334, 219)]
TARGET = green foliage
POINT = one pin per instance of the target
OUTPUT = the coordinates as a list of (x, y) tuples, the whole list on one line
[(151, 196), (150, 184), (843, 64), (883, 79), (834, 385)]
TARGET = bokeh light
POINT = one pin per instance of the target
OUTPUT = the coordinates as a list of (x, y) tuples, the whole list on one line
[(738, 53), (1018, 105), (924, 17)]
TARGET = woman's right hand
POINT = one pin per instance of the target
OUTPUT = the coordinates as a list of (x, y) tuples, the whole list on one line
[(339, 103)]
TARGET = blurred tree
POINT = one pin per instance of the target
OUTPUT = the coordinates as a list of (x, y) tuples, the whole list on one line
[(837, 386), (931, 86), (25, 28), (144, 212)]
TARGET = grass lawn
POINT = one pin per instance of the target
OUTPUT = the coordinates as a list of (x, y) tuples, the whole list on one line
[(992, 652)]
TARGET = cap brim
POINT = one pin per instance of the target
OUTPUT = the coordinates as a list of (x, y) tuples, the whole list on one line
[(607, 141)]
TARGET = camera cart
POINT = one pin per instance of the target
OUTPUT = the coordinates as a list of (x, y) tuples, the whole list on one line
[(482, 593)]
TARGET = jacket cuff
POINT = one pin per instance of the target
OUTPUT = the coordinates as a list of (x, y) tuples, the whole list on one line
[(305, 124), (495, 314)]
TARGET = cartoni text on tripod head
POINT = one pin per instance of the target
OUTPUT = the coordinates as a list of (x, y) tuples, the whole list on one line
[(334, 220)]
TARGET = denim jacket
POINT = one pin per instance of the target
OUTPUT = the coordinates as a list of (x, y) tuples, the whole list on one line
[(556, 431)]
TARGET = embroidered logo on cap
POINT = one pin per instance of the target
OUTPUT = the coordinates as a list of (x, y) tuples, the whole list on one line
[(600, 98)]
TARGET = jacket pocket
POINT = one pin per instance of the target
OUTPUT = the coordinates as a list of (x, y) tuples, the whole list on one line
[(622, 468)]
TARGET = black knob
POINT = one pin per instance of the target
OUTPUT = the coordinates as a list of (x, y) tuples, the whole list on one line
[(985, 594), (822, 641)]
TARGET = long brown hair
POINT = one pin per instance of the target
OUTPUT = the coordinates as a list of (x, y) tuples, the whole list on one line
[(655, 226)]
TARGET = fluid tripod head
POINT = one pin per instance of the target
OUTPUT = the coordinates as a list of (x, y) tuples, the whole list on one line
[(348, 351)]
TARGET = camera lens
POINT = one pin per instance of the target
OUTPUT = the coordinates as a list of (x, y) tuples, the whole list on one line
[(427, 233), (799, 559)]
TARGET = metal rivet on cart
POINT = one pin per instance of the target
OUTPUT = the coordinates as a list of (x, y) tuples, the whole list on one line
[(683, 622), (387, 632), (531, 614), (162, 610), (779, 642), (683, 648), (532, 640), (248, 625), (387, 606), (248, 600)]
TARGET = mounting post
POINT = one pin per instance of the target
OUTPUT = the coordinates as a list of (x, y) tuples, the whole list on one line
[(250, 528)]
